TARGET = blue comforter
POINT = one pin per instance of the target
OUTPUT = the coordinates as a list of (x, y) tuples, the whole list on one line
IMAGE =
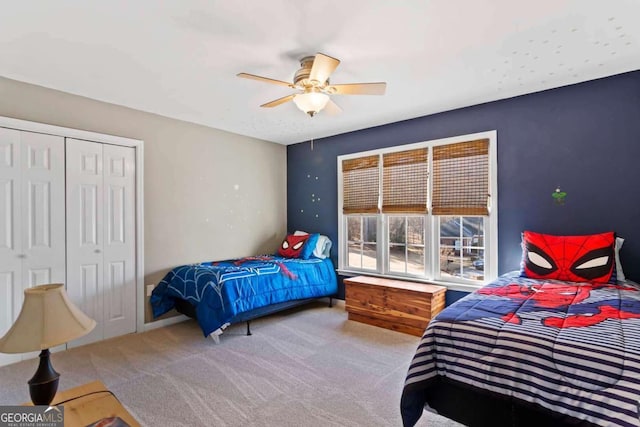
[(221, 290)]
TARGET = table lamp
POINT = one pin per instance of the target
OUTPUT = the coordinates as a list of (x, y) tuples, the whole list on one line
[(47, 319)]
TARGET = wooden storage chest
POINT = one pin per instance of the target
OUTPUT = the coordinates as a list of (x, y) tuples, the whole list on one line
[(393, 304)]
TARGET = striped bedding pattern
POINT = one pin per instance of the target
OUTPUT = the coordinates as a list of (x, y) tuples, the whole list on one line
[(573, 348)]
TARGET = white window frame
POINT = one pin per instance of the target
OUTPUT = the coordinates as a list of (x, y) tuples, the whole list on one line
[(436, 258), (364, 242), (432, 232), (426, 245)]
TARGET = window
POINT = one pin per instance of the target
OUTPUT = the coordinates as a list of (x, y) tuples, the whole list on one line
[(425, 210), (362, 242), (461, 247), (406, 245)]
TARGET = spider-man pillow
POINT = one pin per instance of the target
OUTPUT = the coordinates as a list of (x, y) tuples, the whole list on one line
[(588, 258), (291, 246), (298, 246)]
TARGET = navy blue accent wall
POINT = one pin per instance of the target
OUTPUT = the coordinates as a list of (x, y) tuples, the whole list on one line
[(584, 138)]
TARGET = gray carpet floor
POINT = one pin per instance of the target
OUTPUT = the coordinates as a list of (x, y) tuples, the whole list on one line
[(304, 367)]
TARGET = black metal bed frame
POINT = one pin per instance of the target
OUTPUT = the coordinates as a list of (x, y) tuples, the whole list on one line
[(184, 307)]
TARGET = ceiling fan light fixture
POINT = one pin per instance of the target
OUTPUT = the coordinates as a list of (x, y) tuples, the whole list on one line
[(311, 102)]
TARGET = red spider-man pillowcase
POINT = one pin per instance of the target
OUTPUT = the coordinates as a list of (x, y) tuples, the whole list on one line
[(292, 246), (298, 246), (589, 258)]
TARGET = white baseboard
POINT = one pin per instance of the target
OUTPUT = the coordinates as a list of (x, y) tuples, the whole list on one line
[(165, 322)]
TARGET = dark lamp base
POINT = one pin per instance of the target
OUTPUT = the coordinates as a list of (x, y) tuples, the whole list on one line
[(44, 384)]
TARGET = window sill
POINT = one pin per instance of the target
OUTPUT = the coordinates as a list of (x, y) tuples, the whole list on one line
[(453, 286)]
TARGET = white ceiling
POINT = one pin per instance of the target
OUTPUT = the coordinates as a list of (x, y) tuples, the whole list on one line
[(179, 58)]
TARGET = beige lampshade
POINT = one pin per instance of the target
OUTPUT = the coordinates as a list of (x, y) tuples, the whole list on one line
[(47, 319)]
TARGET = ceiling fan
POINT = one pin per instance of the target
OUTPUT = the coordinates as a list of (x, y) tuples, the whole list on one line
[(312, 80)]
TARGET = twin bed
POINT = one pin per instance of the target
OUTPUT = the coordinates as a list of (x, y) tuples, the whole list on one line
[(220, 293), (533, 351)]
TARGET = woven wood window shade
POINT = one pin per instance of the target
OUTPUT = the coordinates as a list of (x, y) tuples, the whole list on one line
[(404, 181), (461, 178), (360, 185)]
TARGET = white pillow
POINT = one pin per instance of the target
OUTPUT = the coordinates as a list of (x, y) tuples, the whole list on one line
[(619, 273), (323, 247)]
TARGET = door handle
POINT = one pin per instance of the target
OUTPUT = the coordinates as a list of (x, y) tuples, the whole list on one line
[(22, 256), (97, 251)]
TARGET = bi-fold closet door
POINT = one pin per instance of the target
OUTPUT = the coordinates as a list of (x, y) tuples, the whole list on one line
[(100, 185), (67, 215), (32, 220)]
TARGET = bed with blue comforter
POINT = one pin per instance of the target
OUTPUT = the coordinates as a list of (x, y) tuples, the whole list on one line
[(569, 350), (222, 291)]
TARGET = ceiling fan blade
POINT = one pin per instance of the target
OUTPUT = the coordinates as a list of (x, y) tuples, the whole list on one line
[(278, 101), (322, 67), (264, 79), (359, 88), (332, 108)]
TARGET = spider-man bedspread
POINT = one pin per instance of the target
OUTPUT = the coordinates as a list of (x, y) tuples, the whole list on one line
[(223, 289), (573, 348)]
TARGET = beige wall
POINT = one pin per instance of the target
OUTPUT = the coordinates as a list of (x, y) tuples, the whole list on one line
[(208, 194)]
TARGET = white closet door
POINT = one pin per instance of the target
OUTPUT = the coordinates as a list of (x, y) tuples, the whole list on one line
[(43, 213), (32, 215), (119, 241), (85, 223), (43, 209), (101, 236), (10, 240)]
